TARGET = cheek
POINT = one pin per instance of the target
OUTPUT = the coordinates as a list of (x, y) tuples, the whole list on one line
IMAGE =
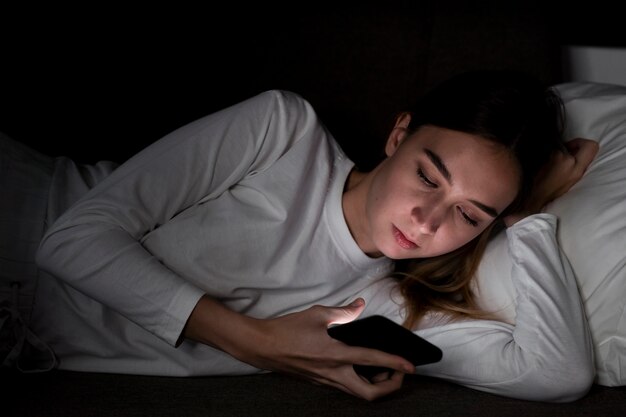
[(387, 195), (452, 238)]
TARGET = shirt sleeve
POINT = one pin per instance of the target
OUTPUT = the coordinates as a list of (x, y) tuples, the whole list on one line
[(548, 354), (95, 246)]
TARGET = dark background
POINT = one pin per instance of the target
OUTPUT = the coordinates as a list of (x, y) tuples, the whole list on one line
[(103, 81)]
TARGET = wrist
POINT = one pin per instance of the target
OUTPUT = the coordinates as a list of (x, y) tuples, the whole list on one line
[(214, 324), (528, 209), (511, 219)]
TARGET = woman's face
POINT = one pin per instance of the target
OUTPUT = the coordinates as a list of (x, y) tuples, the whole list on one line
[(436, 190)]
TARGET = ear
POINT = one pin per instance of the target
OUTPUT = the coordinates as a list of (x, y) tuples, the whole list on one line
[(398, 133)]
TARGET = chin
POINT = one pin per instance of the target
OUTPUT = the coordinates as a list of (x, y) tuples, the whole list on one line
[(399, 254)]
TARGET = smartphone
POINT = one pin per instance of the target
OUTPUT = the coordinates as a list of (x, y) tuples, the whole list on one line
[(378, 332)]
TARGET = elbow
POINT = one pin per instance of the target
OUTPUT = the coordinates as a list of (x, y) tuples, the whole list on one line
[(568, 375), (579, 373), (583, 387), (555, 380), (584, 379), (575, 387), (571, 383), (562, 388)]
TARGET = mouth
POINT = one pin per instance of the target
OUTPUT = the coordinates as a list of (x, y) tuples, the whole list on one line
[(402, 240)]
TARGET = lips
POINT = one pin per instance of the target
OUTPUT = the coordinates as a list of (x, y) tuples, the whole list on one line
[(402, 240)]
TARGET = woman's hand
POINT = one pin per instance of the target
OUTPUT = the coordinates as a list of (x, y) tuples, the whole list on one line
[(559, 175), (298, 344)]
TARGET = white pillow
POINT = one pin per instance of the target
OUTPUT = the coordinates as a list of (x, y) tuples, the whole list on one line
[(591, 231)]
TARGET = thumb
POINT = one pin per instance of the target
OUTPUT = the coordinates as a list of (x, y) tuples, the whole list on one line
[(348, 313)]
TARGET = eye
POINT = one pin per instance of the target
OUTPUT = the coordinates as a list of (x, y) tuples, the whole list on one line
[(425, 179), (467, 219)]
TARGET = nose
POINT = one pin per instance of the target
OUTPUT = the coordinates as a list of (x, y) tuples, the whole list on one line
[(427, 219)]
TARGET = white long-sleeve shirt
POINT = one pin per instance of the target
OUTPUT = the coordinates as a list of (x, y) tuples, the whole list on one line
[(245, 205)]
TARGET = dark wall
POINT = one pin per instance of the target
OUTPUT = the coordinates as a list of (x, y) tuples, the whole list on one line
[(102, 83)]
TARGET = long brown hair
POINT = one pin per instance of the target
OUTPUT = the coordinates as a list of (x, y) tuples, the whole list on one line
[(509, 108), (443, 283)]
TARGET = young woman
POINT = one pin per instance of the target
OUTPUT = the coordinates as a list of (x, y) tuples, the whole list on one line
[(230, 245)]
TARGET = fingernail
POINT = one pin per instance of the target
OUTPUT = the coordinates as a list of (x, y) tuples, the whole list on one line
[(357, 303)]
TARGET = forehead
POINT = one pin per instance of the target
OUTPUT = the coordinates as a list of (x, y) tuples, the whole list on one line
[(479, 169), (456, 143)]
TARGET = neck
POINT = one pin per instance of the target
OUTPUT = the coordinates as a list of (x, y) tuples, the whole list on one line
[(354, 179), (354, 211)]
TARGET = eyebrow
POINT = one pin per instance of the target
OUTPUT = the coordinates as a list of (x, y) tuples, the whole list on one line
[(436, 160), (489, 210), (441, 167)]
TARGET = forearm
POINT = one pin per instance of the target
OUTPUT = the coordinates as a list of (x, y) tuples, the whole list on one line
[(214, 324), (562, 171)]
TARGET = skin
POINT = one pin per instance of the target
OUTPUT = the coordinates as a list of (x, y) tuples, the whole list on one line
[(436, 190), (393, 194)]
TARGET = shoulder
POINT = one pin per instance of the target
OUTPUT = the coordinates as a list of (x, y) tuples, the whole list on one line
[(289, 114), (278, 124), (278, 95), (285, 101)]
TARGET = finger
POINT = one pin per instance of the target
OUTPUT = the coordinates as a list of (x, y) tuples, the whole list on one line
[(349, 382), (398, 377), (372, 357), (342, 378), (383, 376), (375, 390), (346, 314)]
